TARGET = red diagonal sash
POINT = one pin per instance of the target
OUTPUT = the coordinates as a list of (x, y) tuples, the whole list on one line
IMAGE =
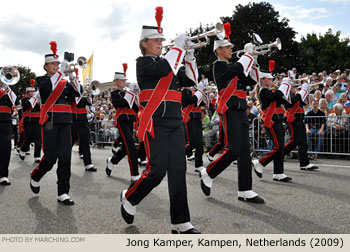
[(291, 112), (230, 90), (158, 95), (24, 115), (51, 101), (268, 113)]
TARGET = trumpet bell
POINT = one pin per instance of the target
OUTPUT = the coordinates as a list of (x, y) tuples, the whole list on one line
[(95, 87), (9, 75), (220, 31), (82, 62)]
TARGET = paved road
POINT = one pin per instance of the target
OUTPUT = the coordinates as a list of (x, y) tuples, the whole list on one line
[(315, 202)]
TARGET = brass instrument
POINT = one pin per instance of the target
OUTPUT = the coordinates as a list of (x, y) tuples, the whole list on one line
[(81, 62), (93, 88), (262, 49), (9, 75), (218, 31)]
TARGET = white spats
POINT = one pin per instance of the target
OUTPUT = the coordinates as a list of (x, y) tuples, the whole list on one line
[(279, 176), (175, 57), (34, 183), (130, 209), (247, 62), (109, 164), (135, 178), (247, 194), (4, 179), (182, 227), (63, 197), (206, 179)]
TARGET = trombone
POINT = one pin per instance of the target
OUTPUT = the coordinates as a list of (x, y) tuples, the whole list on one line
[(218, 31), (262, 49)]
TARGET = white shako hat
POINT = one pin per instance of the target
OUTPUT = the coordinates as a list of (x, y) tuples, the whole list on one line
[(265, 74), (52, 57), (154, 32), (119, 76), (221, 43), (31, 87), (151, 32)]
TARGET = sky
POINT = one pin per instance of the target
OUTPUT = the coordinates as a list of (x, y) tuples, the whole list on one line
[(111, 28)]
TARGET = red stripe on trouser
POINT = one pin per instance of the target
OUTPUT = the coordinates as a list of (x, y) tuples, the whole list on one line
[(187, 136), (274, 150), (145, 173), (212, 164), (42, 140), (225, 128), (126, 147), (291, 129)]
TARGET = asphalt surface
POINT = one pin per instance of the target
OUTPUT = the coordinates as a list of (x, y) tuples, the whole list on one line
[(315, 202)]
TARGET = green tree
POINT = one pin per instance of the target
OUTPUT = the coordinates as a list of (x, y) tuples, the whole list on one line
[(26, 75), (323, 52)]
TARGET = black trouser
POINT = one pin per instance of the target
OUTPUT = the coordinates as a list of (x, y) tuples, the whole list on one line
[(15, 134), (32, 134), (81, 131), (5, 148), (220, 143), (237, 147), (195, 135), (166, 154), (56, 145), (126, 131), (297, 138), (276, 135), (20, 140), (141, 151)]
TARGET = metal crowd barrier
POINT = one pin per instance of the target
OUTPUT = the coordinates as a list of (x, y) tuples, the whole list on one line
[(335, 139), (103, 133)]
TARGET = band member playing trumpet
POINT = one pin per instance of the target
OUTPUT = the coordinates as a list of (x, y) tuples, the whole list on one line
[(272, 114), (81, 131), (230, 80), (57, 96), (7, 101), (161, 125), (295, 115), (30, 123), (126, 109), (192, 115)]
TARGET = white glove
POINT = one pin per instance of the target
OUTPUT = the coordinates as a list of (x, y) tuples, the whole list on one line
[(249, 48), (64, 66), (7, 88), (304, 86), (180, 40), (190, 54), (37, 94)]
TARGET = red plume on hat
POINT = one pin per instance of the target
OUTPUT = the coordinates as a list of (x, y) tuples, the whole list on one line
[(159, 18), (227, 27), (32, 82), (271, 65), (125, 67), (53, 47)]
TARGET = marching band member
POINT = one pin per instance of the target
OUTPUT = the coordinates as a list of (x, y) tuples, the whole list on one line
[(192, 116), (230, 80), (30, 123), (81, 131), (272, 114), (7, 101), (161, 125), (57, 96), (126, 109), (295, 115)]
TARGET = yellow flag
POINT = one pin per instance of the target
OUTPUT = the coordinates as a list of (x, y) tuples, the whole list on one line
[(87, 72)]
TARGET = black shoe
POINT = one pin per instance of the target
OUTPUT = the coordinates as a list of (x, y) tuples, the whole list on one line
[(128, 218), (205, 189), (189, 231), (67, 202), (22, 157), (286, 179), (34, 189), (91, 169), (108, 172), (256, 199), (5, 183), (259, 174)]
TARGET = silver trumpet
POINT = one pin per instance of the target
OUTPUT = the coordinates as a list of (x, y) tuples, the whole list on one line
[(9, 75), (218, 31), (262, 49), (81, 62), (93, 88)]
